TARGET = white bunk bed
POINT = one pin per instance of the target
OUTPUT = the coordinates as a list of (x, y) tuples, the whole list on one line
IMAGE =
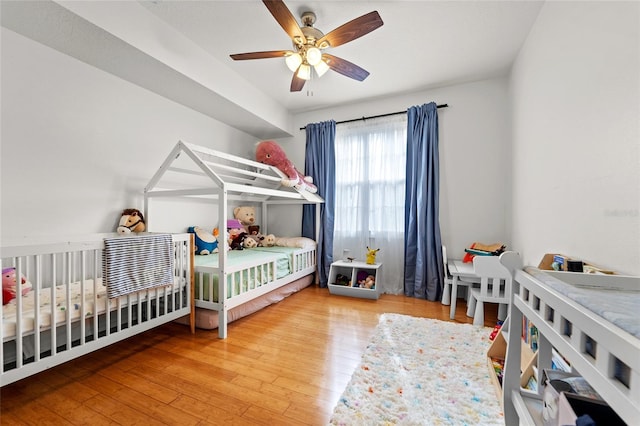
[(592, 321), (254, 277), (77, 313)]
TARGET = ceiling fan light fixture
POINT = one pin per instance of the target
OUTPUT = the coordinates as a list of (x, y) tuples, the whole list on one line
[(306, 57), (314, 56), (321, 68), (293, 61), (304, 72)]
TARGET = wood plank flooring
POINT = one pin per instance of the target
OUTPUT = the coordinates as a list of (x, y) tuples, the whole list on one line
[(287, 365)]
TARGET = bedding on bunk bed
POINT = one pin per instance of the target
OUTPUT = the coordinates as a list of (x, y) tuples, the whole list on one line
[(620, 307)]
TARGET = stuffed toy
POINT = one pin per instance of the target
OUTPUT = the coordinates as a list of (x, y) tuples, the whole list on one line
[(254, 231), (131, 220), (371, 255), (369, 282), (237, 238), (366, 281), (7, 296), (254, 234), (269, 240), (205, 242), (9, 285), (250, 242), (269, 152), (246, 215)]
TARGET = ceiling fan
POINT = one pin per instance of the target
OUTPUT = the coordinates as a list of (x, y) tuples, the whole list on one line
[(308, 43)]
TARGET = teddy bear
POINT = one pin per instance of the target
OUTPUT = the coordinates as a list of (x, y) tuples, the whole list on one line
[(246, 215), (9, 285), (205, 242), (254, 234), (269, 152)]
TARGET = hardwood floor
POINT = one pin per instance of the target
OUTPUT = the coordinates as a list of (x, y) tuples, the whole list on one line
[(287, 365)]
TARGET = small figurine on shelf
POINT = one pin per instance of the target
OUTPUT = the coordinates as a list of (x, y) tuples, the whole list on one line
[(371, 255)]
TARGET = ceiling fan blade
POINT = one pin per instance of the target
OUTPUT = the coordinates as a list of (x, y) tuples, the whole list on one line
[(352, 30), (286, 20), (345, 67), (260, 55), (297, 83)]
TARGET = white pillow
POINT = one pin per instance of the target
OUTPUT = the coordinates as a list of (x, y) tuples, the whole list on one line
[(300, 242)]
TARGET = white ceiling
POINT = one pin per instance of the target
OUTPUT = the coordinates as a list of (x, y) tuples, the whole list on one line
[(422, 44), (180, 49)]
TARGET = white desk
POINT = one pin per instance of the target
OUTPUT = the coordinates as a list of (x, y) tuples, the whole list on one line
[(460, 272)]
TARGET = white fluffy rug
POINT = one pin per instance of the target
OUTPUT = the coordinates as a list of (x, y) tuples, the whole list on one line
[(420, 371)]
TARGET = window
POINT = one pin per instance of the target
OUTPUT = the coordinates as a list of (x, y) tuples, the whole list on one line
[(370, 192)]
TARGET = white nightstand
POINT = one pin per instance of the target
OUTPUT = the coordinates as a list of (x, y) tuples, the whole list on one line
[(351, 271)]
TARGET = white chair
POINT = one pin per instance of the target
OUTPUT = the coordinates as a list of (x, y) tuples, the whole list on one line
[(448, 280), (496, 278)]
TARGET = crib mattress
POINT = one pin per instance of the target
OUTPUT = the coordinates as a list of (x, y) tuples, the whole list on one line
[(616, 306), (60, 310)]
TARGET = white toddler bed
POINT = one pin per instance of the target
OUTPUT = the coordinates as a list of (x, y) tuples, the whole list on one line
[(76, 314), (256, 278), (591, 320)]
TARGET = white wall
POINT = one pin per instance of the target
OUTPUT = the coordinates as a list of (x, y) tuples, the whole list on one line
[(79, 145), (474, 157), (575, 91)]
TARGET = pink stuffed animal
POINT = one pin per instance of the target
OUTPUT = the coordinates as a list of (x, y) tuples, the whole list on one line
[(9, 285), (269, 152)]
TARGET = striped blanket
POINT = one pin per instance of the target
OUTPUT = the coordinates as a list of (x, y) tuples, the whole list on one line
[(135, 263)]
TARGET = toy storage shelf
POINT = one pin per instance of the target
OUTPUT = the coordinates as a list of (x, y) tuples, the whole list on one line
[(496, 355), (351, 270)]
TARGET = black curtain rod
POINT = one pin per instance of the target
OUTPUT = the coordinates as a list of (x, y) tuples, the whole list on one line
[(376, 116)]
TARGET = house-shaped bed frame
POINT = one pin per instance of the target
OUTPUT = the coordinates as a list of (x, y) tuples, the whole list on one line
[(194, 171)]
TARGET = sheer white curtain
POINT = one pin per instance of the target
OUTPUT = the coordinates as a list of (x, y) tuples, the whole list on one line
[(370, 193)]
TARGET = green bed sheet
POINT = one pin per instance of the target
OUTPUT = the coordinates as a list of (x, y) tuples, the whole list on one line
[(240, 282)]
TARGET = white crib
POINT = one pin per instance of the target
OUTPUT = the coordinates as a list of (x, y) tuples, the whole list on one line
[(68, 314)]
